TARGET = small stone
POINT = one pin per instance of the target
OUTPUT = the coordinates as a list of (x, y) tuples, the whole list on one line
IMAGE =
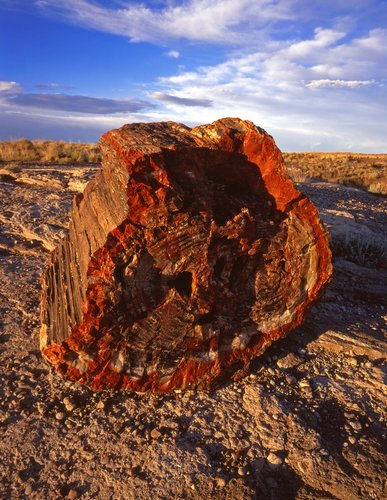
[(301, 352), (289, 361), (69, 404), (241, 471), (290, 379), (355, 425), (352, 361), (155, 434), (72, 494), (274, 460), (368, 364), (352, 439), (304, 384), (28, 490), (221, 482), (100, 405), (324, 452), (60, 415)]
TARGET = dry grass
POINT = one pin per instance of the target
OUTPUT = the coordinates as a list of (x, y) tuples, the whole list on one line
[(65, 153), (364, 171)]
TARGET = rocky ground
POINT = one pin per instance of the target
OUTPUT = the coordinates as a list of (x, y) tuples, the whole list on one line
[(307, 421)]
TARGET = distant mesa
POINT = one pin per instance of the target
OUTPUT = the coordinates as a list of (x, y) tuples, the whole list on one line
[(188, 254)]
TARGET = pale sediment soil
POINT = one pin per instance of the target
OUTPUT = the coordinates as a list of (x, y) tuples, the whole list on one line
[(307, 422)]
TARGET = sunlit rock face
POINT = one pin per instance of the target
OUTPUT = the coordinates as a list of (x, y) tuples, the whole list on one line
[(188, 254)]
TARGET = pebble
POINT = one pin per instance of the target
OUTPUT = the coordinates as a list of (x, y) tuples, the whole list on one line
[(100, 405), (60, 415), (355, 425), (241, 471), (324, 452), (289, 361), (155, 434), (28, 489), (69, 404), (352, 439), (221, 482), (72, 494), (290, 379), (274, 460)]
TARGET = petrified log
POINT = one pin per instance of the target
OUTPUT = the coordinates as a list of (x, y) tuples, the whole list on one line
[(188, 254)]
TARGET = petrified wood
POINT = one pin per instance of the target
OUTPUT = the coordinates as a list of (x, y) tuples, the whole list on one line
[(188, 254)]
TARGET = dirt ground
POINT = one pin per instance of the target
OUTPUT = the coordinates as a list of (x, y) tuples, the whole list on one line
[(306, 422)]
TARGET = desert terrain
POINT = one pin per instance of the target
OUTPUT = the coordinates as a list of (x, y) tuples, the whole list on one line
[(307, 421)]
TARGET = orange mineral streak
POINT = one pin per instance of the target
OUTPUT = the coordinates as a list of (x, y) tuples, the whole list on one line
[(90, 354)]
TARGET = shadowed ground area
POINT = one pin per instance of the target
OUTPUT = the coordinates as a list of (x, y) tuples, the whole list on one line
[(306, 422)]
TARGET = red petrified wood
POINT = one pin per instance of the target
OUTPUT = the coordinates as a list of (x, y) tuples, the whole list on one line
[(188, 254)]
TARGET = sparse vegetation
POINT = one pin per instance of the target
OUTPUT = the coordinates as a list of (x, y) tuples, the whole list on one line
[(366, 250), (24, 150), (363, 171)]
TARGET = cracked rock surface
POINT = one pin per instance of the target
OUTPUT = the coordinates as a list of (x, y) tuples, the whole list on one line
[(188, 254), (307, 422)]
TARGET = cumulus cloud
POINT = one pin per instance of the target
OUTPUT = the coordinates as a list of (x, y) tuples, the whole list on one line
[(287, 88), (77, 103), (281, 61), (181, 101)]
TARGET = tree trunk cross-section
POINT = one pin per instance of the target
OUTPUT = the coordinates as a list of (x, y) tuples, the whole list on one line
[(188, 254)]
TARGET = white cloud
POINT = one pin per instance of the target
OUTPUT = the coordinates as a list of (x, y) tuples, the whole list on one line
[(353, 84), (289, 58), (173, 53), (219, 21), (8, 87), (291, 94)]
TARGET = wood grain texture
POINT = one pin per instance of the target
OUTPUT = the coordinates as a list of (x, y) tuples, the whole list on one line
[(188, 254)]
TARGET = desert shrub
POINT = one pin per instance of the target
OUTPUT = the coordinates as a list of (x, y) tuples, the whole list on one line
[(21, 150), (363, 171), (369, 250), (378, 188), (49, 151)]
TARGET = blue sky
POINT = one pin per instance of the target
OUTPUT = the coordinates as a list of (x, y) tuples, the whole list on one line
[(312, 73)]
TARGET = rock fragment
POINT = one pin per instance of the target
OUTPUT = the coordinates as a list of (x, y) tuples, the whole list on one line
[(188, 254)]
